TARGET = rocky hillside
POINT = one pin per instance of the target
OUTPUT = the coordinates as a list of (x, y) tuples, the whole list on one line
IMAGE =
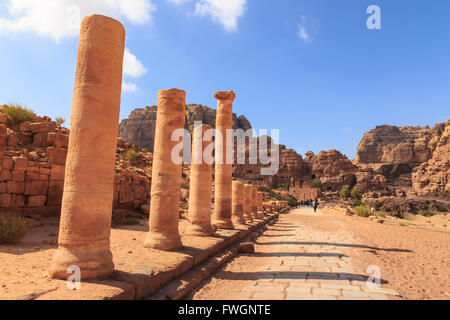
[(390, 160), (416, 157), (139, 128)]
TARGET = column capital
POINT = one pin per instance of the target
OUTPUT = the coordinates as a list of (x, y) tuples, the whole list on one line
[(225, 95)]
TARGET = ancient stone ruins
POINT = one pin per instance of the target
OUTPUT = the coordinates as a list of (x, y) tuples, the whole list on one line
[(89, 157), (195, 210)]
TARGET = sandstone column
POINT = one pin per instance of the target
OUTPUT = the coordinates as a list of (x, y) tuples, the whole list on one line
[(238, 203), (166, 173), (247, 202), (254, 202), (260, 205), (223, 170), (85, 226), (200, 192)]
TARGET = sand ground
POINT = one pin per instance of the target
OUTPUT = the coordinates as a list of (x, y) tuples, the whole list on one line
[(414, 262), (327, 255)]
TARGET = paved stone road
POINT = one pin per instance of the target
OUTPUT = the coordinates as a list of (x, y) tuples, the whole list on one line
[(293, 262)]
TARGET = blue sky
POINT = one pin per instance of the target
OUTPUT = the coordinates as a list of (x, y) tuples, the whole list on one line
[(310, 68)]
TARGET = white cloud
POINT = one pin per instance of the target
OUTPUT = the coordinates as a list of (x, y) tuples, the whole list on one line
[(224, 12), (129, 87), (302, 32), (61, 18), (132, 66)]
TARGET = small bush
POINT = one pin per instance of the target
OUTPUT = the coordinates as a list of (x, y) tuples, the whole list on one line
[(441, 209), (380, 214), (357, 203), (131, 155), (355, 194), (17, 114), (293, 202), (345, 192), (317, 184), (363, 211), (378, 205), (12, 229), (60, 121), (144, 150), (123, 221), (428, 214)]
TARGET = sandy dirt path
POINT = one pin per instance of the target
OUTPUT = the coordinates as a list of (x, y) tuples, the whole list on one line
[(326, 256)]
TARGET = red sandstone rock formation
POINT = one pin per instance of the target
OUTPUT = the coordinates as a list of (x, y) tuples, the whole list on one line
[(139, 128)]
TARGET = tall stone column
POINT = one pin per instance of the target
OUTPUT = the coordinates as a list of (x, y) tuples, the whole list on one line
[(247, 202), (200, 192), (238, 203), (260, 205), (254, 202), (166, 173), (84, 233), (223, 169)]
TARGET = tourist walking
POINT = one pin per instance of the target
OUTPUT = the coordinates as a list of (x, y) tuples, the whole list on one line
[(315, 205)]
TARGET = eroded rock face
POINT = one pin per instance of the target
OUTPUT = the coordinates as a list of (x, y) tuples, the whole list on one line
[(414, 157), (433, 176), (333, 168), (139, 128), (394, 145)]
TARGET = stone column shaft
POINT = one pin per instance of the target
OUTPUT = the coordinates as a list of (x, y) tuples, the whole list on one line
[(247, 202), (260, 205), (238, 203), (86, 211), (200, 192), (254, 202), (223, 169), (166, 173)]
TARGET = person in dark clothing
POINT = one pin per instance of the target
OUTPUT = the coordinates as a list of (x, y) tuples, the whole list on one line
[(315, 205)]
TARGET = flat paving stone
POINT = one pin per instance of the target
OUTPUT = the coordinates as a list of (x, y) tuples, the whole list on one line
[(302, 265)]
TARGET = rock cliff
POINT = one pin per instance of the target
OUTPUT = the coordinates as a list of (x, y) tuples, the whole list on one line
[(139, 128)]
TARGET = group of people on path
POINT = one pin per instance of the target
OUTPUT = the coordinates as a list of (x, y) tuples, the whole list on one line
[(310, 203)]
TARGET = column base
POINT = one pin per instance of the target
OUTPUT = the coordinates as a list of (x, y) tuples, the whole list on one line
[(206, 230), (238, 219), (255, 215), (163, 241), (248, 218), (224, 224), (94, 260)]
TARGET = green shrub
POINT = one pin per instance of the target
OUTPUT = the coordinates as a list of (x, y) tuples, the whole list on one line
[(12, 229), (380, 214), (317, 184), (378, 205), (123, 221), (60, 121), (428, 214), (345, 192), (293, 202), (131, 155), (144, 150), (355, 194), (17, 114), (357, 203), (363, 211), (441, 209)]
